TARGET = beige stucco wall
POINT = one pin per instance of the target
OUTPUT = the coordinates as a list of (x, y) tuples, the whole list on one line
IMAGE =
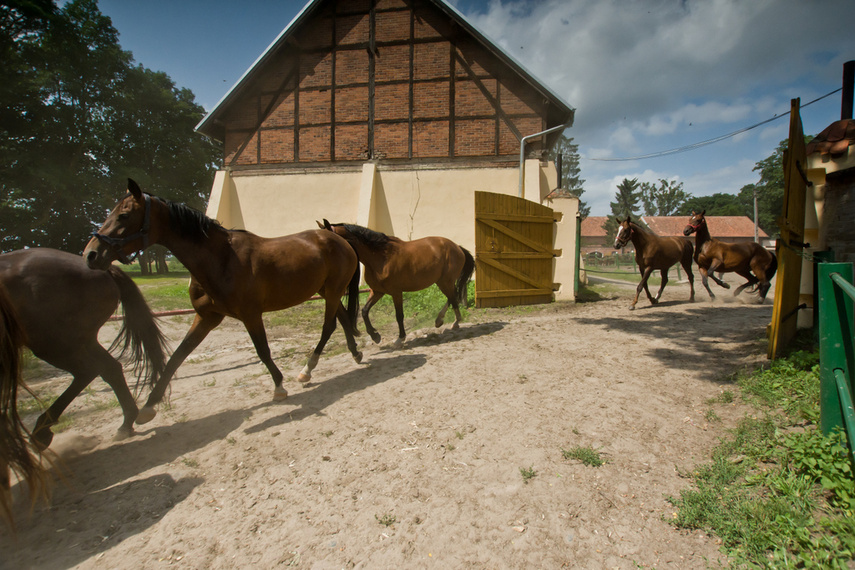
[(406, 202), (819, 168)]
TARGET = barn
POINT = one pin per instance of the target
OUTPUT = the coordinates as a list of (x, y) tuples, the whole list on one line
[(387, 113)]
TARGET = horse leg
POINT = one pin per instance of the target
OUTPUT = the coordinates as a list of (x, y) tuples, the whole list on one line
[(687, 267), (711, 271), (751, 280), (341, 314), (450, 299), (664, 273), (705, 282), (373, 297), (642, 285), (111, 373), (330, 311), (255, 328), (42, 435), (198, 331), (398, 300)]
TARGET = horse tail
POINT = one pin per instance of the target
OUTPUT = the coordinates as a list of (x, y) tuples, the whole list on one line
[(461, 288), (139, 335), (773, 267), (16, 454), (353, 300)]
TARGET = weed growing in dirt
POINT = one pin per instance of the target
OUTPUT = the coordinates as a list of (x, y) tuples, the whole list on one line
[(528, 474), (587, 455), (777, 492), (386, 520)]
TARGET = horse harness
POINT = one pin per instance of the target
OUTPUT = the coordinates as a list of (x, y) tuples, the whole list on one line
[(118, 243)]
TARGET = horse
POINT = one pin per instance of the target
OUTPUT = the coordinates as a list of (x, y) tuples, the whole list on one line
[(393, 266), (713, 255), (234, 273), (61, 305), (52, 303), (653, 252)]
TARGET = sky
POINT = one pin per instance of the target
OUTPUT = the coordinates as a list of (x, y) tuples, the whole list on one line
[(644, 76)]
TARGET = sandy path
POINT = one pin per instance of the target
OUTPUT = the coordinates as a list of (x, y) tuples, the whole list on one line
[(433, 437)]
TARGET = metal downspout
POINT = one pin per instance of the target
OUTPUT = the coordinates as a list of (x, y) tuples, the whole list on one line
[(524, 140)]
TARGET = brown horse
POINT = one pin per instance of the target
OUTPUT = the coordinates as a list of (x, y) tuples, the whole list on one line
[(393, 266), (713, 255), (234, 273), (61, 305), (653, 252), (55, 305)]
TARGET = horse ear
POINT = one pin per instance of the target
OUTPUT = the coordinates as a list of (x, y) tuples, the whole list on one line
[(134, 189), (320, 225), (328, 225), (704, 211)]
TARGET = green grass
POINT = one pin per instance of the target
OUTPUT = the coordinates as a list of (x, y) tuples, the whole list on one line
[(777, 493), (587, 455)]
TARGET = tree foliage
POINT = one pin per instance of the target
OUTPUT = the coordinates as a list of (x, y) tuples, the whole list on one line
[(664, 199), (77, 118), (625, 204), (571, 180)]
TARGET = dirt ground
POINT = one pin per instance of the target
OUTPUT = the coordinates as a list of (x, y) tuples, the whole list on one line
[(414, 458)]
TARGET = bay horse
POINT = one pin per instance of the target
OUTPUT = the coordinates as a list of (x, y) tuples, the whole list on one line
[(652, 253), (53, 304), (714, 256), (393, 266), (234, 273)]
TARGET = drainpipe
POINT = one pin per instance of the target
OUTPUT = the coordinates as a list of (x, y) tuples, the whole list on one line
[(846, 98), (522, 150)]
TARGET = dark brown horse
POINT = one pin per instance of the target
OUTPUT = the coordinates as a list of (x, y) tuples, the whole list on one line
[(713, 255), (55, 305), (652, 253), (393, 266), (234, 273)]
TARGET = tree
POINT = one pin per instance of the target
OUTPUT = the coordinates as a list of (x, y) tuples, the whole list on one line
[(625, 204), (662, 200), (570, 171), (77, 118), (719, 204)]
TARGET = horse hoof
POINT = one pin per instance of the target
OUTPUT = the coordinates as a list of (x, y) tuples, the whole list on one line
[(358, 357), (41, 439), (279, 393), (725, 285), (632, 307), (146, 415), (123, 433), (654, 301), (304, 377), (455, 326), (439, 322), (375, 337)]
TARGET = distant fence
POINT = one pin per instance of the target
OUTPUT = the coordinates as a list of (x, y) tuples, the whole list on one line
[(836, 349)]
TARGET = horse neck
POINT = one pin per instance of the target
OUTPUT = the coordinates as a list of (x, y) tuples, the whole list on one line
[(203, 258), (638, 237), (372, 257), (702, 235)]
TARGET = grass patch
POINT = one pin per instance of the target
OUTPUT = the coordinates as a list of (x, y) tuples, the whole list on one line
[(587, 455), (776, 491), (528, 474)]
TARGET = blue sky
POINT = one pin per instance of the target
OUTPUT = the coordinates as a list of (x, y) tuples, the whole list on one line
[(644, 76)]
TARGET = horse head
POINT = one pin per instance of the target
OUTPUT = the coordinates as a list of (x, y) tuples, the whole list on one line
[(125, 231), (695, 222), (624, 233)]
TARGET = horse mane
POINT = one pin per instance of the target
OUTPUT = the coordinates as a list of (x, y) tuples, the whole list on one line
[(189, 222), (370, 238)]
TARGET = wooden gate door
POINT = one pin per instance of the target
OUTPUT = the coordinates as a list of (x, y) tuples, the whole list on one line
[(514, 241), (782, 329)]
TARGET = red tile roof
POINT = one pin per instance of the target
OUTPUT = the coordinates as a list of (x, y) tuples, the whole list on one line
[(835, 139), (592, 226), (720, 226)]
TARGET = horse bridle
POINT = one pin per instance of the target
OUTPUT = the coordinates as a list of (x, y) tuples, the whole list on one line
[(626, 241), (117, 243)]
